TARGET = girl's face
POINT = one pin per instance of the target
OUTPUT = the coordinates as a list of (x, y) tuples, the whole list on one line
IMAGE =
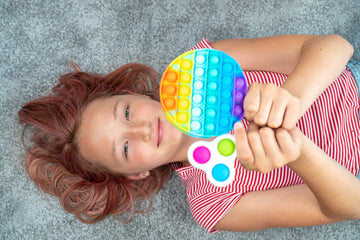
[(129, 134)]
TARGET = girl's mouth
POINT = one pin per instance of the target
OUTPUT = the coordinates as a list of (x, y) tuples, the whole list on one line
[(160, 133)]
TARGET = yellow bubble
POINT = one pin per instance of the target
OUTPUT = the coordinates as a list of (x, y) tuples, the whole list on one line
[(184, 91), (182, 117), (183, 104), (185, 77), (186, 65)]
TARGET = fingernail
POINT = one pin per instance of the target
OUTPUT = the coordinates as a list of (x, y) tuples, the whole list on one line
[(238, 125)]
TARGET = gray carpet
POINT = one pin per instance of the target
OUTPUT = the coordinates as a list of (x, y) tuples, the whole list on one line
[(38, 38)]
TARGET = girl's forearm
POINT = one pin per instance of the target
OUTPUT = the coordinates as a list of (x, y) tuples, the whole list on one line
[(335, 188), (321, 60)]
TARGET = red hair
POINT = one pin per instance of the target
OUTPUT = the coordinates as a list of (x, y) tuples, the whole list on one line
[(54, 162)]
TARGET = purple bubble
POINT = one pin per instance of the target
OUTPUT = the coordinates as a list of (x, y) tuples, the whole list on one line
[(237, 110), (201, 155), (239, 83), (238, 96)]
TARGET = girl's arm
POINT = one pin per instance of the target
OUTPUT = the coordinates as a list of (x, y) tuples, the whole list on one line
[(312, 63), (330, 192)]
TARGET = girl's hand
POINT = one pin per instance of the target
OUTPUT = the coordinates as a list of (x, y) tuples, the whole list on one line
[(272, 106), (264, 149)]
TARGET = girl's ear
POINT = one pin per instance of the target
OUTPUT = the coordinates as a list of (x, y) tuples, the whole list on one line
[(138, 176)]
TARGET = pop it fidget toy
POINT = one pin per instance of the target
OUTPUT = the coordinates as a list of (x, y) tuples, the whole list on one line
[(202, 93), (215, 158)]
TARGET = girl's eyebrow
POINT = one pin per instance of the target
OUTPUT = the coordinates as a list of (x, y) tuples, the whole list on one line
[(113, 150), (115, 111)]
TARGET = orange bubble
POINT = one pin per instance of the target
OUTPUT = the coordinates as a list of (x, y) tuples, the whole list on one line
[(169, 103), (170, 90), (171, 76)]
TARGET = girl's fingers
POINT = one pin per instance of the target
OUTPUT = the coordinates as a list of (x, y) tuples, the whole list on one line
[(289, 142), (276, 116), (272, 106), (292, 114), (252, 101), (265, 149), (256, 147), (267, 95), (272, 150), (243, 150)]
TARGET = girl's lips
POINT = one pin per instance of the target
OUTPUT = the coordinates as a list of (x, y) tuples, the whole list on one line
[(160, 133)]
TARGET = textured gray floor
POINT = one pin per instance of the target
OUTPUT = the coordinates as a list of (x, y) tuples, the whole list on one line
[(38, 38)]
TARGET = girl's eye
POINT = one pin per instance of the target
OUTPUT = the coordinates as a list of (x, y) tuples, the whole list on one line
[(126, 149), (127, 112)]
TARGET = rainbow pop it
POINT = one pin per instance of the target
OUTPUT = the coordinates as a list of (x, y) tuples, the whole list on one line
[(202, 93), (215, 158)]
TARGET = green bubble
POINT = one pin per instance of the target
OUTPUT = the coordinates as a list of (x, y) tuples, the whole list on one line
[(226, 147)]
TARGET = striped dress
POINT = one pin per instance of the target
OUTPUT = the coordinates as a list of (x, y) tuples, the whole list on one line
[(332, 123)]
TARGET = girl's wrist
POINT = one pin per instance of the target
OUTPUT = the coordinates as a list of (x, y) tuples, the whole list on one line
[(304, 159), (305, 93)]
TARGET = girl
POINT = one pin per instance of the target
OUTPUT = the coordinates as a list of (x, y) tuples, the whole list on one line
[(101, 143)]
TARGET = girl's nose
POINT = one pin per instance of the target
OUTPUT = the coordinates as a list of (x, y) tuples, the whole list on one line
[(140, 130)]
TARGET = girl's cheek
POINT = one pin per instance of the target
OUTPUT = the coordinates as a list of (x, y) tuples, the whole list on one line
[(138, 154)]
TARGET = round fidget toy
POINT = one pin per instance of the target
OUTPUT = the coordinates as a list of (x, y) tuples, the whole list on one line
[(215, 158), (202, 93)]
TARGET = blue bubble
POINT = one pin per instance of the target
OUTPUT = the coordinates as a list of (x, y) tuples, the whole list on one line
[(199, 72), (212, 85), (196, 112), (198, 85), (226, 94), (195, 125), (227, 67), (224, 122), (197, 98), (214, 60), (225, 108), (227, 81), (200, 59), (210, 127), (213, 72), (220, 172), (211, 99), (210, 113)]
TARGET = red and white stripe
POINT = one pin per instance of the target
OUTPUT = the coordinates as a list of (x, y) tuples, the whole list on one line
[(332, 122), (204, 43)]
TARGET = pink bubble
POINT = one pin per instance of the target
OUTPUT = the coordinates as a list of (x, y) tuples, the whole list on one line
[(201, 155)]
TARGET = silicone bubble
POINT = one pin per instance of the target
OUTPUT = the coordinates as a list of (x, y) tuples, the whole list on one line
[(202, 93), (216, 158)]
